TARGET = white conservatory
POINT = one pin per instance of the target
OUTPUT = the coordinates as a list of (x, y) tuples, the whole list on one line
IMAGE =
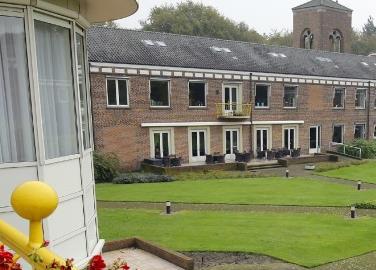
[(45, 118)]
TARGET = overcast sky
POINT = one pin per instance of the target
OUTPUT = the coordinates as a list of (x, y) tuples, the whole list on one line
[(262, 15)]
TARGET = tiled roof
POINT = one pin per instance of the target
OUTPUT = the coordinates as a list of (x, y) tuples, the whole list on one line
[(107, 45), (322, 3)]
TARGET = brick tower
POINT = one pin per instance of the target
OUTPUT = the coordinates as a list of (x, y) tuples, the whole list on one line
[(322, 25)]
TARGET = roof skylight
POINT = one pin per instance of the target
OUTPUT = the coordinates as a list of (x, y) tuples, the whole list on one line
[(324, 59), (148, 42), (365, 64), (218, 49), (281, 55), (161, 43)]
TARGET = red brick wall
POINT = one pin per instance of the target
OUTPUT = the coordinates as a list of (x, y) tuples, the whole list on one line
[(120, 131), (322, 22)]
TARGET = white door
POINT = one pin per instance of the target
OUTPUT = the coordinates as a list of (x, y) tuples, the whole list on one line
[(161, 147), (231, 98), (289, 141), (314, 139), (262, 139), (198, 145), (232, 143)]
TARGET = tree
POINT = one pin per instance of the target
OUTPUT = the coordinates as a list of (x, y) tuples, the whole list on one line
[(109, 24), (369, 29), (281, 38), (189, 18)]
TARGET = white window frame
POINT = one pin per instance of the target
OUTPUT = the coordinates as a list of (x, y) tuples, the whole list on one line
[(374, 131), (206, 94), (269, 95), (296, 135), (296, 98), (169, 93), (207, 142), (343, 98), (343, 132), (316, 150), (239, 87), (239, 129), (269, 129), (171, 142), (364, 130), (365, 98), (117, 79)]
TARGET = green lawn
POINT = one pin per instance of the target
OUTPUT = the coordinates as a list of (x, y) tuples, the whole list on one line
[(305, 239), (275, 191), (364, 172)]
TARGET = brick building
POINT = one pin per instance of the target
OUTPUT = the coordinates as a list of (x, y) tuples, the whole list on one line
[(156, 94)]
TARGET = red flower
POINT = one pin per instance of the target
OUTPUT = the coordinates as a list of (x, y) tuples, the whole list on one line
[(97, 263), (6, 259), (125, 267)]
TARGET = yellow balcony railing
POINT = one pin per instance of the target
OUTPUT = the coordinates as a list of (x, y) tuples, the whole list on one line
[(33, 201), (233, 110)]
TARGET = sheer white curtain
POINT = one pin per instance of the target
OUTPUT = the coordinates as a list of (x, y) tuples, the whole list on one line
[(56, 89), (16, 128)]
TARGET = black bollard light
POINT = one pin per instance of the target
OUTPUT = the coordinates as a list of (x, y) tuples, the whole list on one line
[(287, 173), (168, 207), (359, 185), (353, 214)]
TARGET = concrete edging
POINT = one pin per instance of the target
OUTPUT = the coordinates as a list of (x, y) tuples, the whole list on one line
[(171, 256)]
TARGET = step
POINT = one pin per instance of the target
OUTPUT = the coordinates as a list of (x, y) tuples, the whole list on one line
[(263, 167)]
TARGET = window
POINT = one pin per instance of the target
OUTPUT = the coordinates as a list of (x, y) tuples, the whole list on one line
[(339, 98), (360, 99), (359, 131), (197, 94), (55, 77), (290, 138), (82, 87), (117, 92), (161, 143), (159, 93), (338, 134), (290, 97), (16, 132), (374, 131), (262, 96), (336, 39), (307, 39)]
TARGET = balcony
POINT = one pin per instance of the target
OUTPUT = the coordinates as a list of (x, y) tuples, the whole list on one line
[(233, 110)]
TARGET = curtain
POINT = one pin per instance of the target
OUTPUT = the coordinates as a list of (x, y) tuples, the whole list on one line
[(16, 126), (56, 89)]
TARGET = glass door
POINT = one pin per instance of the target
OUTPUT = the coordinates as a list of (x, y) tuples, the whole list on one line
[(198, 145), (232, 143), (161, 144), (262, 140), (314, 139), (231, 97), (289, 138)]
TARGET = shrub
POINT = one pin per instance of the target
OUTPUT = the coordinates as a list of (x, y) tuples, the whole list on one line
[(324, 167), (106, 167), (366, 205), (368, 148), (133, 178)]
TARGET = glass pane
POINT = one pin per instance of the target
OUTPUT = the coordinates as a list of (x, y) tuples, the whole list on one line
[(258, 139), (123, 92), (165, 139), (202, 144), (157, 145), (265, 140), (16, 132), (194, 144), (359, 132), (228, 142), (56, 89), (312, 138), (197, 95), (234, 98), (111, 92), (227, 98), (81, 72), (286, 138), (289, 98), (319, 136), (292, 139), (337, 134), (338, 100), (159, 95), (261, 98), (234, 141)]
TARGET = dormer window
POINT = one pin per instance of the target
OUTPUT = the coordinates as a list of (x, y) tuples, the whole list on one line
[(307, 39), (336, 40)]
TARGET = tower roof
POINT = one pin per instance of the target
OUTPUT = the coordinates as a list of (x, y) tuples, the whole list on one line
[(323, 3)]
